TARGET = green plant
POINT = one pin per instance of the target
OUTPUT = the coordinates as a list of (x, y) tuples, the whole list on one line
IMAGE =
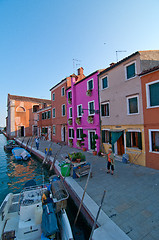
[(90, 119), (78, 143), (69, 100), (69, 121), (89, 92), (77, 155), (71, 142), (78, 120), (99, 153), (83, 135), (95, 137)]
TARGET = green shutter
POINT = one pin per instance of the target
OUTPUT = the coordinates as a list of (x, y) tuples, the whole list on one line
[(139, 140), (128, 139), (154, 94), (102, 109), (110, 139)]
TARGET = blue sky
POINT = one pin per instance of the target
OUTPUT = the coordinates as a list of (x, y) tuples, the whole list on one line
[(40, 38)]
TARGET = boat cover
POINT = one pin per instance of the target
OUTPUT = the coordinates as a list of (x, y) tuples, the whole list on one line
[(49, 222)]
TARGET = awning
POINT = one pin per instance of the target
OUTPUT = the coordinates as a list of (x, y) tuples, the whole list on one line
[(115, 135)]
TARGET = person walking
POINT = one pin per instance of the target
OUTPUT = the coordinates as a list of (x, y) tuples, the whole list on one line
[(37, 143), (110, 163)]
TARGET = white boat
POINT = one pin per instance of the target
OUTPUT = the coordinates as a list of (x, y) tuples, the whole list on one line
[(27, 216)]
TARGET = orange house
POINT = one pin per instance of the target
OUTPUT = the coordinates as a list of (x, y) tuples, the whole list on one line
[(150, 93), (22, 115)]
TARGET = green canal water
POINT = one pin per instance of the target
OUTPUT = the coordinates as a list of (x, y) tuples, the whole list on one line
[(14, 174)]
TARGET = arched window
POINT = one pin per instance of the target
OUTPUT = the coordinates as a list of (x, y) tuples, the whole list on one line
[(20, 109)]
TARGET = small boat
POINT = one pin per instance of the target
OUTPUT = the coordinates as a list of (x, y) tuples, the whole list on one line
[(35, 213), (10, 145), (20, 153)]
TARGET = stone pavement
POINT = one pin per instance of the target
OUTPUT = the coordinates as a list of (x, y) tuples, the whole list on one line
[(132, 193)]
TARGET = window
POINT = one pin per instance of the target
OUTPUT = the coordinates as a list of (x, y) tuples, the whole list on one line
[(152, 92), (70, 112), (104, 82), (90, 84), (91, 110), (130, 71), (132, 105), (79, 110), (63, 110), (35, 108), (105, 109), (79, 133), (53, 112), (62, 91), (154, 140), (53, 97), (44, 115), (134, 139), (69, 95), (49, 114), (54, 130), (71, 133), (38, 118), (106, 136)]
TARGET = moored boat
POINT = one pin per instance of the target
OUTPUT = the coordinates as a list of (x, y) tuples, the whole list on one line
[(10, 145), (36, 214), (20, 153)]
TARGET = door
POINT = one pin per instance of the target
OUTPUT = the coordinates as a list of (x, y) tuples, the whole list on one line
[(90, 139), (120, 145), (21, 131), (49, 133), (63, 133)]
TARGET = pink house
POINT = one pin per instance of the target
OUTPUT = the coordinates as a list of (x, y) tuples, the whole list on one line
[(83, 111)]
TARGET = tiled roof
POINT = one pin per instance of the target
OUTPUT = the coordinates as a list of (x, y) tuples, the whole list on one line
[(149, 70), (30, 99)]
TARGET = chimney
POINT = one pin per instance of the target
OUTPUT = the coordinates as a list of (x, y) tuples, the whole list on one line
[(80, 71), (111, 64)]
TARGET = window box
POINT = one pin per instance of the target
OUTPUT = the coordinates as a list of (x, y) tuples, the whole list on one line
[(78, 121), (69, 121), (90, 119), (89, 92)]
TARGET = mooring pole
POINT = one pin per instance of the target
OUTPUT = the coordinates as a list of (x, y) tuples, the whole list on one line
[(83, 195), (90, 238)]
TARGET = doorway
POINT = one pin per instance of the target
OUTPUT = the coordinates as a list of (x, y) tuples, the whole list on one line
[(119, 146), (21, 131), (91, 133)]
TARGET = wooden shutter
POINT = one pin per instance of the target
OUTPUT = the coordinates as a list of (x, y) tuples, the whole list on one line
[(128, 139), (139, 140)]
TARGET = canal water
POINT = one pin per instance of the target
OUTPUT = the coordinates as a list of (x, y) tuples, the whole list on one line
[(14, 174)]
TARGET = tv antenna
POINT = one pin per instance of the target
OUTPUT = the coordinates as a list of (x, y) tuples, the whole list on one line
[(117, 54), (76, 62)]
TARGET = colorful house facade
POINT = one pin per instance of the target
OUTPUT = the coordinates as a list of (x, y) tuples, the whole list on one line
[(59, 111), (83, 112), (44, 121), (150, 93), (22, 115), (122, 123)]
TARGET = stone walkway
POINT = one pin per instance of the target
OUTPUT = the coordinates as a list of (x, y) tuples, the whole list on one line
[(132, 193)]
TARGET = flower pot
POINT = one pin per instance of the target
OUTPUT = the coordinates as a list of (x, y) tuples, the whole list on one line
[(84, 149), (94, 153)]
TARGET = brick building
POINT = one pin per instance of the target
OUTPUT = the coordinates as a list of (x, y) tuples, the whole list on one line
[(22, 115)]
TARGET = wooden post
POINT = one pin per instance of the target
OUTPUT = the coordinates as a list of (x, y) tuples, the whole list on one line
[(90, 238), (83, 195)]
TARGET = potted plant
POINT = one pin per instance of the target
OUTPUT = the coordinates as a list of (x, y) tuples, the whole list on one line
[(90, 119), (83, 135), (70, 121), (95, 137), (89, 92), (70, 142), (69, 100), (100, 153), (78, 143), (78, 120)]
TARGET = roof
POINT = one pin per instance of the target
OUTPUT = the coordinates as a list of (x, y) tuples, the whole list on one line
[(149, 70), (118, 63), (29, 99), (63, 80)]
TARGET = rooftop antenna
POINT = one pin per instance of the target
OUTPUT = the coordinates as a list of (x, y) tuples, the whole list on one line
[(117, 54), (75, 62)]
